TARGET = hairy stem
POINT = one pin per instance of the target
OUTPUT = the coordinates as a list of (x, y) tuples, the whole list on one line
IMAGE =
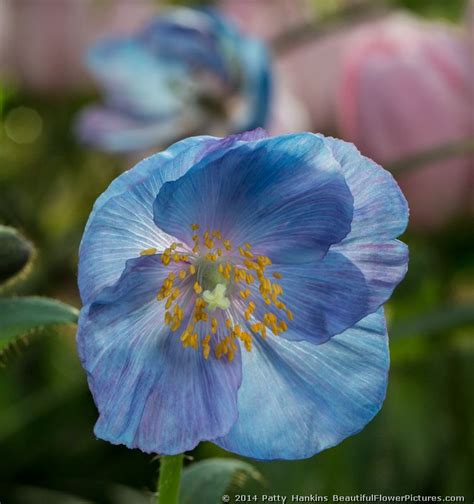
[(169, 479)]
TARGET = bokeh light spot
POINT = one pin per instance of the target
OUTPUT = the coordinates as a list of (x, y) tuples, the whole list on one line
[(23, 125)]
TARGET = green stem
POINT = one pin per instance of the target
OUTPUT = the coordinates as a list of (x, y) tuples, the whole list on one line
[(169, 479), (312, 29), (455, 149)]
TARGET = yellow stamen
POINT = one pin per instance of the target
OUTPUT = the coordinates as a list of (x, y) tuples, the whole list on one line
[(244, 294), (249, 278), (243, 271), (175, 293), (197, 288), (149, 251)]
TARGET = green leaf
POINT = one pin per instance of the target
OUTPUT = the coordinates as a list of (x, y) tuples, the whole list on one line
[(441, 9), (209, 480), (19, 316), (37, 495), (15, 253), (120, 494)]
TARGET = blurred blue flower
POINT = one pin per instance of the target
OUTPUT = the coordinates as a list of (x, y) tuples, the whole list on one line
[(188, 71), (233, 291)]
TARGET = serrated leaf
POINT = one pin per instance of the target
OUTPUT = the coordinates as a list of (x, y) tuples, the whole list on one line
[(19, 316), (209, 480), (15, 253)]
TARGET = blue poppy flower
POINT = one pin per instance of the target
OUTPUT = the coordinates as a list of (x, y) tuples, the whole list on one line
[(187, 71), (233, 291)]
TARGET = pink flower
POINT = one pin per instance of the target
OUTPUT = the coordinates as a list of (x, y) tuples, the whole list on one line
[(407, 87), (44, 47)]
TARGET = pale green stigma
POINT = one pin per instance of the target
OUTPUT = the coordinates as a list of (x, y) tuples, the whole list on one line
[(216, 298)]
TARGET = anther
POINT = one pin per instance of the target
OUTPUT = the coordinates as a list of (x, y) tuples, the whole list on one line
[(197, 288), (149, 251)]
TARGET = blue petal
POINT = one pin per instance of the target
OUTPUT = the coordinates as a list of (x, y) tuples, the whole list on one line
[(135, 80), (284, 195), (254, 72), (326, 297), (204, 40), (297, 398), (380, 209), (245, 136), (256, 86), (358, 274), (121, 222), (380, 215), (159, 81), (384, 265), (189, 36), (114, 131), (151, 393)]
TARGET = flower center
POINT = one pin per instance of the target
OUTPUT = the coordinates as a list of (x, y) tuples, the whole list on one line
[(226, 291), (216, 298)]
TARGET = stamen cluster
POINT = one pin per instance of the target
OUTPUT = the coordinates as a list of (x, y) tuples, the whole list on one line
[(254, 303)]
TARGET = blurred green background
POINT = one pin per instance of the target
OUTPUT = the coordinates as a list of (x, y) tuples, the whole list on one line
[(422, 442)]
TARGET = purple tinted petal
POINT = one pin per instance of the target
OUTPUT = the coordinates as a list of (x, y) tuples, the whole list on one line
[(151, 393), (380, 209), (380, 215), (114, 131)]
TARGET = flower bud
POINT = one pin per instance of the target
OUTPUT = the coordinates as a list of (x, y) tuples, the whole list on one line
[(406, 88)]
